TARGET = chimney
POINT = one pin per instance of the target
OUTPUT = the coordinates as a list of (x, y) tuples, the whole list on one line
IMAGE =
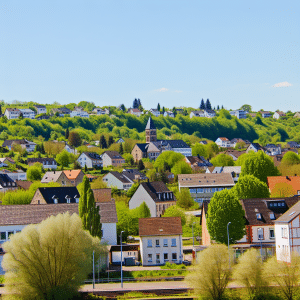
[(287, 178)]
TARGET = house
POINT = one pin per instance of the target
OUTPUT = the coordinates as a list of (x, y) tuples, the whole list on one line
[(98, 111), (203, 186), (156, 195), (272, 149), (7, 184), (197, 113), (112, 158), (40, 109), (23, 184), (169, 114), (74, 176), (134, 175), (293, 144), (235, 154), (12, 113), (293, 181), (70, 149), (278, 114), (130, 252), (90, 160), (160, 240), (15, 175), (178, 146), (203, 142), (198, 162), (235, 171), (6, 161), (118, 180), (223, 142), (79, 112), (27, 113), (255, 147), (265, 114), (240, 114), (209, 113), (56, 176), (120, 140), (48, 163), (287, 233), (56, 195), (25, 144), (252, 115), (62, 111), (297, 114), (155, 112), (235, 141), (135, 111)]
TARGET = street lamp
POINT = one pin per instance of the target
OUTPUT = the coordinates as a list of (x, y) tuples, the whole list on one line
[(193, 233), (121, 262), (228, 240), (260, 238)]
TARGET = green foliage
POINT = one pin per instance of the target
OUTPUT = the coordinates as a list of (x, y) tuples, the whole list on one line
[(175, 211), (246, 107), (225, 207), (169, 158), (132, 190), (222, 160), (141, 165), (62, 158), (290, 158), (181, 167), (74, 139), (34, 173), (184, 199), (259, 165), (49, 260), (250, 186), (199, 149), (187, 229)]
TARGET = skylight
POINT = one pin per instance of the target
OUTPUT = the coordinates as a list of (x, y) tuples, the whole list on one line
[(272, 216), (291, 213), (258, 216)]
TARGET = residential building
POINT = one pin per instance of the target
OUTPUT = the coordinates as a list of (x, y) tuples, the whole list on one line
[(266, 114), (203, 186), (56, 195), (12, 113), (134, 175), (287, 233), (198, 162), (169, 114), (27, 113), (79, 112), (293, 144), (118, 180), (112, 158), (203, 142), (6, 161), (223, 142), (74, 176), (272, 149), (240, 114), (120, 140), (90, 160), (236, 141), (6, 184), (56, 176), (235, 154), (70, 149), (130, 252), (135, 111), (197, 113), (25, 144), (293, 181), (278, 114), (297, 114), (98, 111), (255, 147), (160, 240), (62, 111), (40, 109), (209, 113), (156, 195), (48, 163), (15, 175), (154, 112), (235, 171)]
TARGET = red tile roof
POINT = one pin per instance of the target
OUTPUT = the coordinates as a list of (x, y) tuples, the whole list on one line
[(160, 226), (294, 181)]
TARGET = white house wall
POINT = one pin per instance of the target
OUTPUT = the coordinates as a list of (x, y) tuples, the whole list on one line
[(282, 243), (109, 233)]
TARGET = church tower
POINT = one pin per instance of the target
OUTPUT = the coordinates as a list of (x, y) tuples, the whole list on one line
[(150, 131)]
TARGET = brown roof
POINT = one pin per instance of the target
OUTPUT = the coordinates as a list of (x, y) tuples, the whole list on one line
[(207, 179), (102, 195), (23, 184), (160, 226), (113, 154), (235, 153), (265, 207), (35, 213)]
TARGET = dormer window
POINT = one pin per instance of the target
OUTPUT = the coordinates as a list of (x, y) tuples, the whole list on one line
[(55, 200)]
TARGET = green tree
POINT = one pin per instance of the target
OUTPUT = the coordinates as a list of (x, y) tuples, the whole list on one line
[(260, 165), (158, 107), (184, 199), (67, 133), (34, 173), (175, 211), (63, 158), (88, 211), (144, 211), (225, 207), (222, 160), (49, 260), (211, 274), (181, 167), (199, 149), (282, 189), (246, 107), (141, 165), (121, 151), (110, 140), (169, 158), (290, 158), (102, 142), (250, 186), (74, 139), (132, 190)]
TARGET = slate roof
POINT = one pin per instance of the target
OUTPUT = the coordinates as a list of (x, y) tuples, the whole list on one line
[(160, 226), (51, 176), (265, 207), (207, 179), (102, 195), (293, 144), (132, 173), (5, 180), (36, 213), (39, 106), (156, 187), (173, 143), (143, 147), (92, 155), (113, 154), (120, 177), (49, 160), (150, 124), (257, 146), (59, 193)]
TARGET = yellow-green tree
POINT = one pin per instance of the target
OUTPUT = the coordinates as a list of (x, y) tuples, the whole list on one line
[(283, 189)]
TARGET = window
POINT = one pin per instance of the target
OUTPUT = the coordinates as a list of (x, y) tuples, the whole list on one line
[(149, 243), (272, 233), (213, 190), (157, 243), (284, 233), (166, 257), (258, 216), (55, 200), (260, 233), (3, 236), (272, 216), (165, 242), (193, 191), (68, 200), (157, 258), (149, 257), (174, 256), (173, 243), (200, 190), (9, 233)]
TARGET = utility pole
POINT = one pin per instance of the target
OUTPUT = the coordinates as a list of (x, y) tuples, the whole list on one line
[(228, 241), (121, 262)]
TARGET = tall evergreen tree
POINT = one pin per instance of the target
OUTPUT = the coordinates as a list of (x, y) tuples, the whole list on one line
[(67, 133), (121, 150), (174, 111), (141, 165), (218, 107), (122, 107), (139, 102), (0, 110), (202, 105), (163, 110), (222, 107), (207, 105), (158, 107), (135, 103), (110, 140), (88, 211), (102, 142)]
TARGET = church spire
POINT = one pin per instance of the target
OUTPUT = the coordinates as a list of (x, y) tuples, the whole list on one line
[(150, 131)]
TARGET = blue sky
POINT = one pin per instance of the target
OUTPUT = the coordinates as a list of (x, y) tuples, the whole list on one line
[(171, 52)]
